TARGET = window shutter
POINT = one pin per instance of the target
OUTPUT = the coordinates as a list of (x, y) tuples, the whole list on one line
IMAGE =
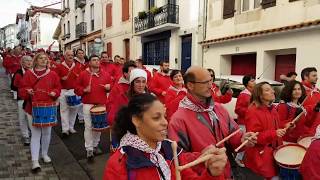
[(228, 9), (268, 3), (125, 10), (109, 49), (293, 0), (109, 15)]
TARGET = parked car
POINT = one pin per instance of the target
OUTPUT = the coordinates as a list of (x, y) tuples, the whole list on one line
[(235, 83)]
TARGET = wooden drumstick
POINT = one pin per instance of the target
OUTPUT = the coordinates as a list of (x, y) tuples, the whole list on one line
[(296, 119), (196, 162), (245, 142), (227, 138), (174, 147)]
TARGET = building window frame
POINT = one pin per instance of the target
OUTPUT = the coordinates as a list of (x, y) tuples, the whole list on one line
[(250, 5)]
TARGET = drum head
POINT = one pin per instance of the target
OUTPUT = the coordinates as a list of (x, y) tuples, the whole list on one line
[(305, 141), (290, 155)]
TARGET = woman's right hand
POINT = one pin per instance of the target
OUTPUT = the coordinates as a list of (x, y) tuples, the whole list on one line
[(281, 132)]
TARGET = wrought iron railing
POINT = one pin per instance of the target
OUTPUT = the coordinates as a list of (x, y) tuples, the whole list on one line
[(81, 29), (165, 14)]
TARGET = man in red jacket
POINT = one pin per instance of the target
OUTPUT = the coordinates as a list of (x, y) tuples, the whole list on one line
[(199, 121), (106, 65), (243, 100), (92, 85), (68, 72), (161, 81), (309, 79)]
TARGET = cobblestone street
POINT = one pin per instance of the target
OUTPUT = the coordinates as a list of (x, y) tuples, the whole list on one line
[(14, 156)]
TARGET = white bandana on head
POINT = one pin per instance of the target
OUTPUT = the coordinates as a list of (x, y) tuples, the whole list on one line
[(155, 157)]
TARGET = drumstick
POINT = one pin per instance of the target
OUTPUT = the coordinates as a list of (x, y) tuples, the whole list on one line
[(246, 141), (227, 138), (294, 120), (174, 147), (196, 162)]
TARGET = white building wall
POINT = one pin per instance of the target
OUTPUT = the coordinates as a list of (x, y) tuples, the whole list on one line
[(119, 30), (304, 43), (47, 31)]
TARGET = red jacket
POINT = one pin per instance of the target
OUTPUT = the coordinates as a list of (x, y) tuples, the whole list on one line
[(98, 94), (72, 72), (83, 65), (117, 71), (17, 80), (243, 102), (135, 165), (172, 100), (12, 63), (259, 158), (160, 83), (117, 98), (310, 168), (287, 114), (149, 77), (193, 130), (42, 85), (218, 97), (109, 68)]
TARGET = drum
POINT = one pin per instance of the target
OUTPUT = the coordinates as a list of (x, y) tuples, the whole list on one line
[(98, 118), (44, 114), (305, 141), (289, 158), (72, 99)]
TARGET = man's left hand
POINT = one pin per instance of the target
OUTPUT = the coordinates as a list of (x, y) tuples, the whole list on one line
[(251, 137)]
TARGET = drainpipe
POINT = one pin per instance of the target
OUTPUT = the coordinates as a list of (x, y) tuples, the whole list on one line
[(204, 28)]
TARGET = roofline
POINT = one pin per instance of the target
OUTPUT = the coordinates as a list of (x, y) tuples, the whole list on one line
[(262, 32)]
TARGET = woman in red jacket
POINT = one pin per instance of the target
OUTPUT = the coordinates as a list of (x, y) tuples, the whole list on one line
[(217, 95), (175, 93), (144, 153), (292, 96), (262, 117), (39, 84), (92, 85), (310, 167)]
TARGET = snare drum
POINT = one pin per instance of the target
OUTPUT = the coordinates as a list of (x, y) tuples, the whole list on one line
[(289, 158), (305, 141), (72, 99), (98, 118), (44, 114)]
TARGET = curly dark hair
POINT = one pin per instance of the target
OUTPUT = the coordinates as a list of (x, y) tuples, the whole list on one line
[(286, 93)]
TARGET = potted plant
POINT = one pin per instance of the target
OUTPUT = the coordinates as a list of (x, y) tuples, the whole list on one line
[(142, 15), (155, 10)]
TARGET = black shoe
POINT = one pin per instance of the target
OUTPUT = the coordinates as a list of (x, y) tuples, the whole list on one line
[(65, 134), (90, 156)]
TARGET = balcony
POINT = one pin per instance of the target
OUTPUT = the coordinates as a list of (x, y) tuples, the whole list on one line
[(81, 29), (80, 3), (65, 11), (163, 19)]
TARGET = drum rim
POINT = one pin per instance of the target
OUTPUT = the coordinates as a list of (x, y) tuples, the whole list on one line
[(303, 137), (286, 165), (100, 112)]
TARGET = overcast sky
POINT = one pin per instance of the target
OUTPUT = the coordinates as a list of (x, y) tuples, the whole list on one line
[(10, 8)]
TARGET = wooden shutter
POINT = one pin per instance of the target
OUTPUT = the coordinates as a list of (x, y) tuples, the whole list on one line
[(125, 10), (109, 49), (109, 15), (228, 9), (268, 3)]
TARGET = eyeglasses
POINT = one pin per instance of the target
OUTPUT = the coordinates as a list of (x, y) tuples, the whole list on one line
[(202, 82)]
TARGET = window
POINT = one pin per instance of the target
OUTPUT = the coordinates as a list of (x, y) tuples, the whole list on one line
[(68, 27), (125, 10), (109, 49), (109, 15), (155, 51), (247, 5), (64, 29), (64, 4), (68, 4), (92, 16), (150, 4), (83, 15)]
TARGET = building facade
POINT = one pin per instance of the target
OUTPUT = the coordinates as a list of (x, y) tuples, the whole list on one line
[(24, 28), (265, 38), (168, 30), (81, 25), (10, 33), (41, 32), (117, 28), (2, 37)]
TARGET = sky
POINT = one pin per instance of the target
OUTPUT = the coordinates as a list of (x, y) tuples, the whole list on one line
[(10, 8)]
